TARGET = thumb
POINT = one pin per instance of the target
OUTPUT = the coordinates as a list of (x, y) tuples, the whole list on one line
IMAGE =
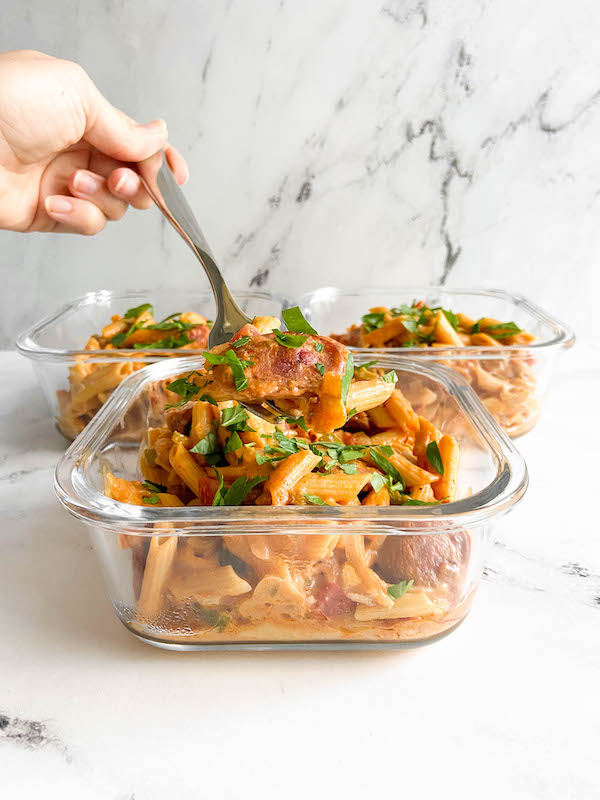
[(117, 135)]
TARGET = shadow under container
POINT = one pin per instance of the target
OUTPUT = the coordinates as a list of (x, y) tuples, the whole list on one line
[(511, 381), (151, 556), (76, 382)]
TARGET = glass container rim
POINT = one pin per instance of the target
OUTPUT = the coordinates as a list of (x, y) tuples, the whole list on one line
[(94, 508), (563, 336), (27, 345)]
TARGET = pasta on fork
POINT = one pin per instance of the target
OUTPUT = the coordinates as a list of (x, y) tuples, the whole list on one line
[(341, 440)]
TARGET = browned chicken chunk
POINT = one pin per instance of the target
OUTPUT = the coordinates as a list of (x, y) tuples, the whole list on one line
[(277, 371), (430, 561)]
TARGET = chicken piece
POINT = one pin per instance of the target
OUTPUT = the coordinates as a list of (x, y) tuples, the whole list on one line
[(277, 371), (437, 561)]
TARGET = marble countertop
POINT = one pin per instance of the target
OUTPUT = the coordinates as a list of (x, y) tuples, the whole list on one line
[(507, 706)]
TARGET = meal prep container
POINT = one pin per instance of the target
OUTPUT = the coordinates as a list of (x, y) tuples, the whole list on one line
[(511, 381), (443, 547), (56, 344)]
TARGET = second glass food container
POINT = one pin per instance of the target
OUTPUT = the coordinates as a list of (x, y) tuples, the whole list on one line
[(56, 345), (511, 381), (151, 556)]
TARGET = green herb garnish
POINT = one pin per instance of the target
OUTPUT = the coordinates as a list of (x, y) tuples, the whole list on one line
[(235, 418), (386, 466), (169, 343), (152, 500), (290, 340), (347, 379), (240, 342), (295, 321), (412, 502), (233, 443), (134, 313), (320, 369), (318, 347), (398, 589), (434, 457), (150, 486), (208, 445), (390, 377), (237, 492), (373, 320), (236, 364), (314, 500)]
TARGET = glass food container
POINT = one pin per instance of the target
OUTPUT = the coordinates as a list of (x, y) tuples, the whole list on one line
[(151, 557), (76, 382), (511, 381)]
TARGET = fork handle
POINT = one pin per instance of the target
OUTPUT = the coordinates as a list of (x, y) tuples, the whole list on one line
[(162, 187)]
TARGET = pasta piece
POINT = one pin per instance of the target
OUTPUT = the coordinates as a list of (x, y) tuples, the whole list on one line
[(370, 584), (423, 493), (203, 419), (364, 395), (186, 467), (287, 474), (401, 411), (380, 336), (411, 604), (445, 487), (444, 333), (156, 574), (124, 491), (337, 487), (207, 585), (380, 498)]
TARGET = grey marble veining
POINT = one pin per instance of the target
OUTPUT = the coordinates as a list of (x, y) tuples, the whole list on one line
[(339, 142)]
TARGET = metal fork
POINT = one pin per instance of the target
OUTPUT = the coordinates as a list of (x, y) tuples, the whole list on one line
[(162, 187)]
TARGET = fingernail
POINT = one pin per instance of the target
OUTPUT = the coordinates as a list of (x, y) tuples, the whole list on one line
[(85, 183), (126, 184), (58, 205), (157, 124)]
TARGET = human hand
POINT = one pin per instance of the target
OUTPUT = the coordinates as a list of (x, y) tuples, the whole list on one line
[(66, 152)]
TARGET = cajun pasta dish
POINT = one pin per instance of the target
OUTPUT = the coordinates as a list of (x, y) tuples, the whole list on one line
[(91, 384), (344, 436), (506, 385)]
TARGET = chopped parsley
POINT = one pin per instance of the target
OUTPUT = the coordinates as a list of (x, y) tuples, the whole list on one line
[(347, 379), (187, 389), (216, 619), (398, 589), (233, 443), (377, 455), (134, 313), (390, 377), (150, 486), (295, 321), (318, 347), (168, 343), (236, 364), (434, 457), (501, 331), (237, 492), (152, 500), (299, 421), (373, 320), (290, 340), (240, 342), (208, 445), (235, 418), (314, 500), (320, 369), (367, 364)]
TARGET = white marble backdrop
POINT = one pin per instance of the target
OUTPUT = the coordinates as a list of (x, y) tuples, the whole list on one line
[(338, 142)]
